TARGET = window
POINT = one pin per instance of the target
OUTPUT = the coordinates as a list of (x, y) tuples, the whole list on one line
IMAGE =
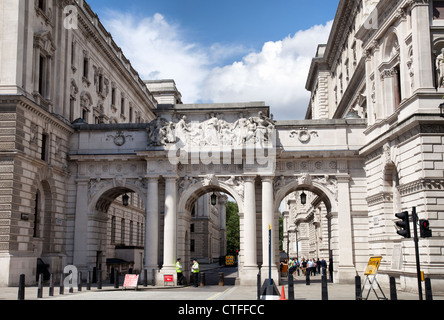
[(122, 232), (42, 76), (192, 245), (36, 215), (438, 10), (122, 105), (113, 229), (397, 86), (42, 5), (45, 147), (113, 96), (85, 67)]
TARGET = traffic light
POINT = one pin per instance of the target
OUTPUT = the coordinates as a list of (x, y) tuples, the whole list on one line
[(404, 224), (424, 228)]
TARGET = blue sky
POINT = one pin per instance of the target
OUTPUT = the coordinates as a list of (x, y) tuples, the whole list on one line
[(224, 51)]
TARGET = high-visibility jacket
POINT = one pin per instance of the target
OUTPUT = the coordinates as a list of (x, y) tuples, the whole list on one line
[(178, 267), (195, 268)]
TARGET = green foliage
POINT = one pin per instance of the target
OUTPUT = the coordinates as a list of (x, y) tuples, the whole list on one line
[(233, 231)]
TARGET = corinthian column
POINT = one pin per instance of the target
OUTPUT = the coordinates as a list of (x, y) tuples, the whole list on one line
[(152, 225), (170, 227), (250, 247), (267, 221)]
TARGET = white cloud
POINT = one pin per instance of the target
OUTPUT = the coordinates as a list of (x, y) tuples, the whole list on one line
[(276, 75)]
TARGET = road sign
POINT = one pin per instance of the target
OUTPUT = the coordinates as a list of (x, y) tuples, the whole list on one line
[(131, 281), (373, 266)]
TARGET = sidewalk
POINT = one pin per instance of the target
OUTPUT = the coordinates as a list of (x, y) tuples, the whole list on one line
[(212, 293)]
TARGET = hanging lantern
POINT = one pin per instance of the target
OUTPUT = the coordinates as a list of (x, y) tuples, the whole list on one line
[(125, 199), (213, 199), (441, 110), (303, 198)]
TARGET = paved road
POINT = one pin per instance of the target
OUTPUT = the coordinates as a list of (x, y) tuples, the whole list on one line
[(211, 292)]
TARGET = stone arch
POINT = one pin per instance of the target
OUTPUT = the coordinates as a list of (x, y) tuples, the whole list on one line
[(195, 191), (314, 186), (391, 45), (104, 196)]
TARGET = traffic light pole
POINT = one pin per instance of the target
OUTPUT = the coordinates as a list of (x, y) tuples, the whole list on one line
[(418, 265)]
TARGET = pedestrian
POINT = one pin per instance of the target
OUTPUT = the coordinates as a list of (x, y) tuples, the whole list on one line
[(179, 272), (318, 265), (195, 272), (304, 266), (324, 267)]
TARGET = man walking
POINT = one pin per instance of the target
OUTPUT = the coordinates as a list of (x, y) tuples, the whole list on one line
[(195, 272), (179, 273)]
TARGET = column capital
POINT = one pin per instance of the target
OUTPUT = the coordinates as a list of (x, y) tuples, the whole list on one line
[(343, 178), (249, 178), (152, 178), (268, 178), (171, 178)]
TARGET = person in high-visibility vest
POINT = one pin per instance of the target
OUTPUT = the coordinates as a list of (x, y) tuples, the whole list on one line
[(179, 272), (195, 272)]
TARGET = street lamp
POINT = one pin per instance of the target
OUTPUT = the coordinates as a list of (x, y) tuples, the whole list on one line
[(213, 199), (303, 198), (441, 110), (125, 199)]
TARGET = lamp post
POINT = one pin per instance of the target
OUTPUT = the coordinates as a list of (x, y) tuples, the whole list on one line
[(441, 110)]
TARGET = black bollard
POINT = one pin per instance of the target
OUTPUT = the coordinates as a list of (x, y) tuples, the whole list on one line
[(111, 276), (290, 287), (258, 286), (99, 279), (428, 288), (21, 290), (79, 281), (62, 286), (40, 287), (94, 277), (307, 277), (358, 292), (145, 277), (393, 294), (324, 288), (221, 279), (88, 280), (154, 278), (202, 279), (51, 285), (116, 279)]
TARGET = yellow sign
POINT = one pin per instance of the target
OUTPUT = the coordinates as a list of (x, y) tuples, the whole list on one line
[(373, 266), (229, 261)]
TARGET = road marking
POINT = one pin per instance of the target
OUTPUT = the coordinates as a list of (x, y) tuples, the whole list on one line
[(217, 295)]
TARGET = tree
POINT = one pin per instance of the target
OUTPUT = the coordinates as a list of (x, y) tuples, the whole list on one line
[(233, 230)]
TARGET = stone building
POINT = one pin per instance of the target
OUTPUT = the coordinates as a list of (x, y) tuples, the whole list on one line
[(383, 63), (80, 131)]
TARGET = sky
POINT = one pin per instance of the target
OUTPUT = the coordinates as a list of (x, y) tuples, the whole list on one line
[(224, 51)]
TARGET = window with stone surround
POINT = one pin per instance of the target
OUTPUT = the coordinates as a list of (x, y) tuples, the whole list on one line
[(438, 10), (44, 49)]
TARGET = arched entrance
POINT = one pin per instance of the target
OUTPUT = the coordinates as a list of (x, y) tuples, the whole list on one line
[(113, 228)]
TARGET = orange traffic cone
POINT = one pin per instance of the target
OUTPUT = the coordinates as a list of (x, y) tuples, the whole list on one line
[(283, 294)]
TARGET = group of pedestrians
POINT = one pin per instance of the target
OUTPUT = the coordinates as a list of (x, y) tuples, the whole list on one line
[(310, 266)]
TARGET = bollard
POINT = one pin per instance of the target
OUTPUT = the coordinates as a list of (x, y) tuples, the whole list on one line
[(99, 279), (51, 285), (88, 280), (94, 277), (428, 288), (145, 277), (258, 286), (116, 279), (62, 287), (71, 283), (40, 287), (221, 279), (307, 277), (111, 276), (79, 281), (324, 288), (290, 287), (202, 279), (21, 290), (358, 292), (154, 278), (393, 294)]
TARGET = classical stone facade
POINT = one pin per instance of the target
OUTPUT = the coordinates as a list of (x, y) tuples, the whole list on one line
[(79, 129), (383, 63)]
